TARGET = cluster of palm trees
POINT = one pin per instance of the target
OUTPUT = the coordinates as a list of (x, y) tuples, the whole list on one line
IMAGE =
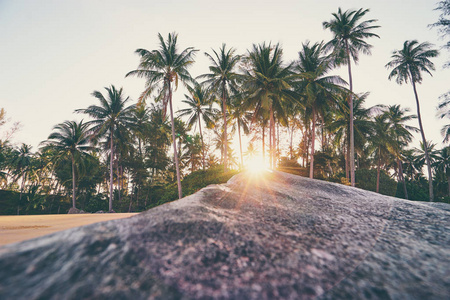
[(254, 93)]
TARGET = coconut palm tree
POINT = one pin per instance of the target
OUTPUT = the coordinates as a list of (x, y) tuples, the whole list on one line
[(71, 139), (317, 88), (21, 167), (110, 117), (223, 79), (407, 65), (442, 164), (349, 32), (240, 118), (444, 112), (161, 68), (381, 142), (268, 83), (199, 107), (401, 134), (340, 125)]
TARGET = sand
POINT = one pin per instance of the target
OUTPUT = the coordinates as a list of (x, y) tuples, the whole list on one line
[(14, 229)]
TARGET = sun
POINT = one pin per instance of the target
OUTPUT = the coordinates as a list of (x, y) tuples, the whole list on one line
[(256, 165)]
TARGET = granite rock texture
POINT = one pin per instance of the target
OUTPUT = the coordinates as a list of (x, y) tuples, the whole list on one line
[(267, 236)]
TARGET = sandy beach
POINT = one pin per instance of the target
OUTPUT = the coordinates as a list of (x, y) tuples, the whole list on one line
[(14, 229)]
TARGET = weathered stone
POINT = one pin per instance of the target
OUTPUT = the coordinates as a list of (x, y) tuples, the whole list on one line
[(74, 210), (278, 236)]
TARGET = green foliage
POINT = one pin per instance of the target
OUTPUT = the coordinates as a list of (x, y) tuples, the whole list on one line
[(367, 180), (291, 166), (196, 181), (417, 190), (32, 203)]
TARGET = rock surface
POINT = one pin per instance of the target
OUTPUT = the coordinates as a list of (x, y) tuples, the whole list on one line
[(276, 236)]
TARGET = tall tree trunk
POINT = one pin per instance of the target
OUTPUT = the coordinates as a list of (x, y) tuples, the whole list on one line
[(111, 179), (350, 102), (203, 146), (73, 182), (378, 170), (175, 153), (263, 143), (291, 137), (347, 160), (402, 178), (240, 144), (313, 138), (225, 125), (424, 141), (272, 138), (278, 143), (448, 181)]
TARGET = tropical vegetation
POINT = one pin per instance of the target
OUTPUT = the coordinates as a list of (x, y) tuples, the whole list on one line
[(131, 155)]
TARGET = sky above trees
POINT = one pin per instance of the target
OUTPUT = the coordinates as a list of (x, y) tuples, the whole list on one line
[(54, 54)]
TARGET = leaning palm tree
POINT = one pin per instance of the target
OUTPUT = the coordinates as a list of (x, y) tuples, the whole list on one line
[(407, 65), (318, 88), (110, 117), (199, 107), (71, 139), (161, 68), (222, 79), (349, 33)]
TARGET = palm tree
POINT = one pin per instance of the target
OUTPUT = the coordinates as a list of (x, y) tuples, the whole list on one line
[(161, 68), (340, 125), (381, 142), (401, 134), (442, 163), (348, 40), (222, 79), (73, 139), (21, 167), (240, 119), (317, 88), (269, 83), (199, 103), (444, 112), (407, 65), (110, 117)]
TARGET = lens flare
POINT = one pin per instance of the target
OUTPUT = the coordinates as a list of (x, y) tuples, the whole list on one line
[(256, 165)]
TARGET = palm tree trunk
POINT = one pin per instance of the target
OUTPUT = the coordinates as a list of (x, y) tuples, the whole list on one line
[(263, 143), (350, 102), (111, 179), (203, 146), (378, 170), (448, 181), (424, 141), (271, 138), (175, 153), (240, 143), (402, 178), (73, 182), (313, 138), (225, 142)]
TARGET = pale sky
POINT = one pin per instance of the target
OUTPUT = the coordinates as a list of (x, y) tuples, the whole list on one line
[(54, 54)]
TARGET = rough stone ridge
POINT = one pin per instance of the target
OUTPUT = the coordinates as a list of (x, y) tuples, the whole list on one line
[(276, 236)]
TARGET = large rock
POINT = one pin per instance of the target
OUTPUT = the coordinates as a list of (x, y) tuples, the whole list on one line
[(277, 236)]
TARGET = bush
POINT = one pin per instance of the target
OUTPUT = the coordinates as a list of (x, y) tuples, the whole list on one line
[(196, 181), (367, 180), (292, 166)]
